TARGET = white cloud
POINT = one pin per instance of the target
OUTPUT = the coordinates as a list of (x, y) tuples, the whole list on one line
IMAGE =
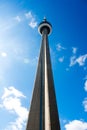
[(11, 101), (61, 59), (72, 61), (74, 50), (28, 15), (76, 125), (85, 104), (12, 91), (3, 54), (33, 23), (17, 125), (26, 60), (17, 18), (85, 85), (59, 47), (32, 61), (31, 18), (80, 60)]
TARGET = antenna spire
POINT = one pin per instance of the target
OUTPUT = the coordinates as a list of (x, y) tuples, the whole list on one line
[(44, 19)]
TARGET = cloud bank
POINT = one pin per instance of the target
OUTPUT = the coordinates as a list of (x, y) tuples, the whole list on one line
[(12, 101), (76, 125)]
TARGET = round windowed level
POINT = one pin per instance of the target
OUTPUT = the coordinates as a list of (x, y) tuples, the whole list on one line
[(45, 25)]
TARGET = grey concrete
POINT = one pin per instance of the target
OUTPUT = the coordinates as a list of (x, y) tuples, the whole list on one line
[(43, 114)]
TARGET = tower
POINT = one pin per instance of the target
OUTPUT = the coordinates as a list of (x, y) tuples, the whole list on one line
[(43, 114)]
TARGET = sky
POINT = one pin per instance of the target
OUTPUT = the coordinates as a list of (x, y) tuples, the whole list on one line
[(19, 51)]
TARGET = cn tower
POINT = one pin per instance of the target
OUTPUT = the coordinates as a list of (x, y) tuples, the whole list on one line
[(43, 113)]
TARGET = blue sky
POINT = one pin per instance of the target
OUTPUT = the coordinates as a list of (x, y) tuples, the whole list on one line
[(19, 50)]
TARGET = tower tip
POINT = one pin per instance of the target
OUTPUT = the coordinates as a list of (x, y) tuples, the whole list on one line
[(44, 19)]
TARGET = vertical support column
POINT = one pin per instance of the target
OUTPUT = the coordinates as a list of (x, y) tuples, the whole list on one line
[(46, 94)]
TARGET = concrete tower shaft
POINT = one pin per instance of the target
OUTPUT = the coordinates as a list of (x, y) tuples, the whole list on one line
[(43, 113)]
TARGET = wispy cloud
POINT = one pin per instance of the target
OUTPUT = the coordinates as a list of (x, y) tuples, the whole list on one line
[(85, 104), (6, 25), (12, 91), (76, 125), (74, 50), (72, 61), (85, 85), (33, 23), (17, 18), (29, 61), (28, 15), (12, 52), (31, 18), (26, 60), (80, 60), (61, 59), (59, 47), (11, 101)]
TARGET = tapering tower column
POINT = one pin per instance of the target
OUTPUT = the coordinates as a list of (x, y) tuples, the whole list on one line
[(43, 114)]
